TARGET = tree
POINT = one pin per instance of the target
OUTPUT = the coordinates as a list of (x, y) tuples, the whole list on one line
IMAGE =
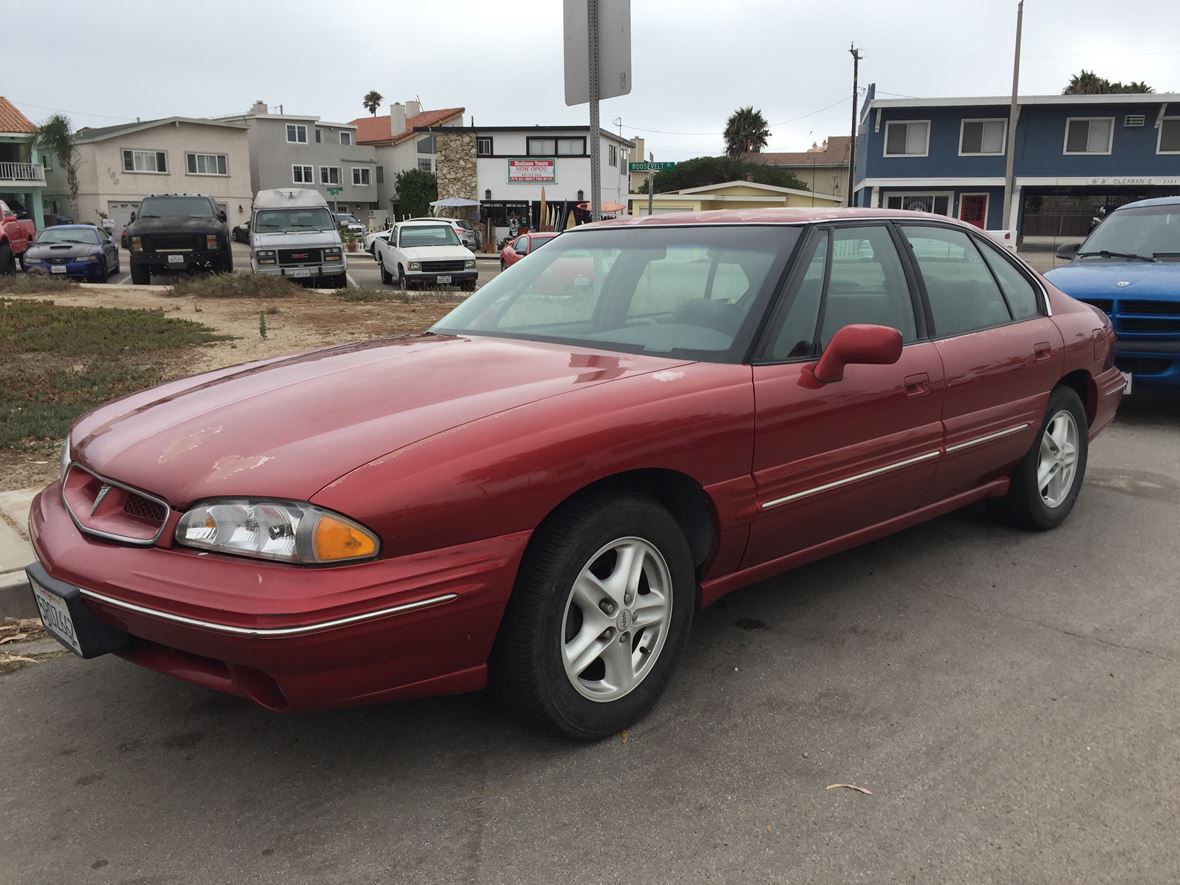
[(55, 136), (746, 132), (702, 171), (1089, 83), (416, 190), (372, 101)]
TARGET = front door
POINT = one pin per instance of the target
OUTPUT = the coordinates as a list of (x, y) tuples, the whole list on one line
[(973, 209), (830, 459)]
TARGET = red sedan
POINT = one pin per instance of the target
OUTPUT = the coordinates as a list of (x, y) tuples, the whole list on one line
[(543, 489), (518, 247)]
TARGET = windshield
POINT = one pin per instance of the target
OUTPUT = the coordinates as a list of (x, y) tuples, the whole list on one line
[(68, 235), (158, 207), (345, 218), (428, 235), (1149, 232), (695, 292), (290, 220)]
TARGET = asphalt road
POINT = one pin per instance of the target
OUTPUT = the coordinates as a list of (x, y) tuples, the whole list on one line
[(1011, 700), (362, 269)]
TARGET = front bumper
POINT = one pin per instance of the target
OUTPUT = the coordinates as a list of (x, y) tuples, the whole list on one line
[(288, 637), (74, 270), (431, 279), (1153, 363), (161, 263), (303, 272)]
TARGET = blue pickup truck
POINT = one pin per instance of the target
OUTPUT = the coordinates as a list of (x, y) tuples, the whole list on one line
[(1129, 268)]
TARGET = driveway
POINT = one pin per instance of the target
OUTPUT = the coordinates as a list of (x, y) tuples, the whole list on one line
[(1010, 701)]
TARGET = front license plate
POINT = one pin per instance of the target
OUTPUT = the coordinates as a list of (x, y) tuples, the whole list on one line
[(176, 259), (61, 268), (1127, 383), (442, 280), (300, 272), (55, 615)]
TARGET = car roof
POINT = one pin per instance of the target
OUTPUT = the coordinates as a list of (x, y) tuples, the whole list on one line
[(542, 234), (423, 222), (1156, 201), (73, 226), (768, 216)]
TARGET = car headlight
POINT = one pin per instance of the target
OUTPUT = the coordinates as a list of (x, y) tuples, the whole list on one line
[(332, 253), (469, 264), (137, 244), (415, 265), (211, 241), (65, 456), (265, 256), (288, 531), (86, 259)]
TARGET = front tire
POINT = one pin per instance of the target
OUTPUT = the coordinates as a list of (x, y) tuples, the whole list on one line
[(1045, 486), (600, 613), (7, 265), (140, 275), (401, 279), (386, 276)]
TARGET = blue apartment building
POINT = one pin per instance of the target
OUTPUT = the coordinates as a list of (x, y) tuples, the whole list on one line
[(1074, 154)]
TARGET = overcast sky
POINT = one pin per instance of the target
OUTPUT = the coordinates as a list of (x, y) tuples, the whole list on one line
[(694, 61)]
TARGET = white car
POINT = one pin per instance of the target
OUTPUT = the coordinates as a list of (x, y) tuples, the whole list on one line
[(349, 222), (370, 241), (425, 253)]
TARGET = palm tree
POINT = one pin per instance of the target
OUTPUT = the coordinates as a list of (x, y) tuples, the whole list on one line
[(55, 136), (372, 101), (745, 132), (1086, 83)]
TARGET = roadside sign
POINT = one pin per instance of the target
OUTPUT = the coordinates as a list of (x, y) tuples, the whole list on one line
[(614, 49), (335, 189), (645, 166)]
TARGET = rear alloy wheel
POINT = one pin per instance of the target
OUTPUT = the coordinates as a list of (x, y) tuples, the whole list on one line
[(601, 610), (1046, 484)]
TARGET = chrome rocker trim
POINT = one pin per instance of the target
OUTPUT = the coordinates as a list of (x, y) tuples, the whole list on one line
[(980, 440), (806, 493)]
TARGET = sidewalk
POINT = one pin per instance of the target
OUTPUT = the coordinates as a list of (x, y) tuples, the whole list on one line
[(15, 553)]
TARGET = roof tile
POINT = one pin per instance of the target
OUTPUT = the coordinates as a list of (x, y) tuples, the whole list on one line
[(12, 120)]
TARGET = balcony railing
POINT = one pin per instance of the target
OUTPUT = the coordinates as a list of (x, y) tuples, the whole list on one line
[(22, 172)]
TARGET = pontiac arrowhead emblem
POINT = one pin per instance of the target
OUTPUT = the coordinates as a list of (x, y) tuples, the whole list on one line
[(1123, 283), (102, 493)]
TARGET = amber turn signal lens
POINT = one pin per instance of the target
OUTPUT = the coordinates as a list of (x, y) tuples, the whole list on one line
[(335, 539)]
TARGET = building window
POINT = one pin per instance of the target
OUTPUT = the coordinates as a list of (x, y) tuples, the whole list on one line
[(302, 175), (562, 147), (907, 138), (427, 145), (345, 137), (483, 146), (612, 155), (329, 175), (145, 161), (381, 175), (361, 176), (425, 164), (46, 164), (207, 164), (319, 135), (1093, 135), (1169, 137), (938, 203), (297, 133), (982, 138)]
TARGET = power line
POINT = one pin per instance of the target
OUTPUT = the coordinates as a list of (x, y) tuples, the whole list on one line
[(43, 107)]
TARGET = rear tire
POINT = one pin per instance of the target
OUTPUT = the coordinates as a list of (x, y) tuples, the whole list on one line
[(1045, 486), (140, 275), (569, 654)]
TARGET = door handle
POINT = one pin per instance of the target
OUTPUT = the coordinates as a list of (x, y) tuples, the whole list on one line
[(917, 385), (1043, 350)]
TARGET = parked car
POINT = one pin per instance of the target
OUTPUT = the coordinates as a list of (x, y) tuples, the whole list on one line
[(349, 222), (16, 235), (293, 234), (1129, 268), (467, 232), (241, 233), (518, 248), (425, 253), (540, 491), (370, 241), (77, 251), (175, 234)]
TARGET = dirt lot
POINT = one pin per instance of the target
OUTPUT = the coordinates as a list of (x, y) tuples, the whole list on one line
[(293, 323)]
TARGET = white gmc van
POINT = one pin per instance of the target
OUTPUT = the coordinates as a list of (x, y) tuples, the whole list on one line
[(293, 234)]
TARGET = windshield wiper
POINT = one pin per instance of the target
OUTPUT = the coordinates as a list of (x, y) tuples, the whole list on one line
[(149, 216), (1106, 253)]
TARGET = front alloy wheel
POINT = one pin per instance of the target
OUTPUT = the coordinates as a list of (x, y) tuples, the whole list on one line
[(1057, 461)]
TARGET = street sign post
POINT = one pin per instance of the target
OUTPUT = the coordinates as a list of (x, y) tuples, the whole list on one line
[(597, 37), (335, 189)]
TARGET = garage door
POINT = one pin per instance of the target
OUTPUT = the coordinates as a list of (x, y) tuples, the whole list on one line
[(120, 213)]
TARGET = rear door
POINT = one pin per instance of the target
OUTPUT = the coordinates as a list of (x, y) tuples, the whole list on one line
[(830, 459), (1000, 352)]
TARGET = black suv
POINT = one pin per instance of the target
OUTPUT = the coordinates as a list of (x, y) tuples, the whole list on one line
[(178, 233)]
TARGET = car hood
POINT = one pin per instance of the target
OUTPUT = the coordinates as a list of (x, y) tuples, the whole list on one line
[(1117, 279), (437, 253), (294, 239), (62, 250), (287, 428)]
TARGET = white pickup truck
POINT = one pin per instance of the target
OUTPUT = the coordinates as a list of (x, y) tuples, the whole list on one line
[(425, 253)]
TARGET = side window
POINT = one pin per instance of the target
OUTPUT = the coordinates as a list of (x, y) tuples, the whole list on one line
[(1019, 292), (866, 284), (796, 337), (963, 294), (521, 246)]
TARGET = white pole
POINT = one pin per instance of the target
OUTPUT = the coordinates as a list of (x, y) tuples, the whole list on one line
[(595, 147), (1013, 117)]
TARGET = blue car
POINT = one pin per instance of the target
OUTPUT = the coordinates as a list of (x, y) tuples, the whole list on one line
[(77, 251), (1129, 268)]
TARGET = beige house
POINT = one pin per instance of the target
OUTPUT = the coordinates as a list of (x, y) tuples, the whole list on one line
[(822, 168), (732, 195), (120, 165)]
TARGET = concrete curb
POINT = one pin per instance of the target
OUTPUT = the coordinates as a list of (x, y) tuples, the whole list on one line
[(16, 600)]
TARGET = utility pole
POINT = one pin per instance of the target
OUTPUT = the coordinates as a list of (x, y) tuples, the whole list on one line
[(595, 147), (651, 182), (856, 57), (1010, 134)]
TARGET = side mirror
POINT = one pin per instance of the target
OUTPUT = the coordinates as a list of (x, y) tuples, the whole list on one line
[(133, 216), (221, 216), (1068, 250), (858, 344)]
